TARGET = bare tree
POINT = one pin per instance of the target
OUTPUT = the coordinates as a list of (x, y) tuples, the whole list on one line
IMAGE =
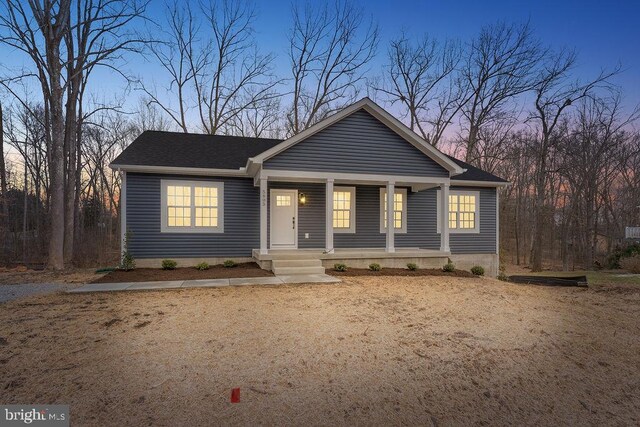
[(213, 65), (65, 44), (330, 47), (177, 51), (416, 77), (259, 120), (555, 91), (99, 31), (501, 64), (43, 27)]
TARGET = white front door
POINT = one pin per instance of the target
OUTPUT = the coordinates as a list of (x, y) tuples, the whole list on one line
[(284, 221)]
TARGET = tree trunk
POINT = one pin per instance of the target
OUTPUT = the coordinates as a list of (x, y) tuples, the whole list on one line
[(70, 142), (472, 141), (56, 168), (4, 212)]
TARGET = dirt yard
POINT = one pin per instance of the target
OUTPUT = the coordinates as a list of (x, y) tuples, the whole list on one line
[(372, 350)]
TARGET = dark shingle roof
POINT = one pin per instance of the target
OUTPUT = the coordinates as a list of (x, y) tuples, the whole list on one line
[(190, 150), (473, 173)]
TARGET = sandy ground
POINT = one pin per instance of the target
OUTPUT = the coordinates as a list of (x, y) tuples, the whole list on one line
[(23, 275), (372, 350)]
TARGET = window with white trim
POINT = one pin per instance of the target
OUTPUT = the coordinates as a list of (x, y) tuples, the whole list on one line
[(344, 209), (192, 207), (464, 211), (399, 210)]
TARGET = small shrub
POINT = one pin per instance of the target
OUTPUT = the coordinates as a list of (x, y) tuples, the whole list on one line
[(229, 263), (202, 266), (619, 253), (477, 270), (449, 267), (502, 273), (169, 264), (340, 267), (631, 264), (375, 267), (127, 263), (412, 266)]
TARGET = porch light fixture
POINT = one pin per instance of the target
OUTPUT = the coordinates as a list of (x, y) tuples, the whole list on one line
[(302, 199)]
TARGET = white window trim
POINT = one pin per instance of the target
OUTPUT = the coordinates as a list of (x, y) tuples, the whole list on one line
[(164, 228), (352, 210), (383, 207), (475, 230)]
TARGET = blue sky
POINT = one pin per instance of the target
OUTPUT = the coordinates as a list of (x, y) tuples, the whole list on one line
[(603, 32)]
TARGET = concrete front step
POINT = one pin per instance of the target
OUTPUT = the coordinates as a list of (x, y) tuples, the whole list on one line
[(277, 263), (296, 266), (290, 271)]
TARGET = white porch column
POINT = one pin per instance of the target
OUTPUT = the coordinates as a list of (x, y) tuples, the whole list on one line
[(329, 217), (444, 217), (391, 189), (263, 215)]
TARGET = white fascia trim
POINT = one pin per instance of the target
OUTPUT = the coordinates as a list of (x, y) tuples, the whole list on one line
[(462, 183), (356, 178), (379, 113), (172, 170)]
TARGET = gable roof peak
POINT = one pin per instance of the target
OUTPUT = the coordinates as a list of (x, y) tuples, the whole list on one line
[(377, 112)]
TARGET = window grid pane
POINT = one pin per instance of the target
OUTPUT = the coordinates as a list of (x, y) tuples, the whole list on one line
[(178, 206), (397, 210), (342, 209), (192, 205), (283, 200), (462, 211)]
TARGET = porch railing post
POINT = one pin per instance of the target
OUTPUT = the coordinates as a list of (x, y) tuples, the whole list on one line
[(264, 197), (390, 219), (444, 217), (329, 217)]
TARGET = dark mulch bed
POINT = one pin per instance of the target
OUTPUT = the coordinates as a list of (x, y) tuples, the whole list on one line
[(249, 269), (399, 272)]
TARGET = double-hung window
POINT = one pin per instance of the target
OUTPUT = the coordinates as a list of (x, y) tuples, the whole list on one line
[(463, 213), (399, 210), (192, 206), (344, 210)]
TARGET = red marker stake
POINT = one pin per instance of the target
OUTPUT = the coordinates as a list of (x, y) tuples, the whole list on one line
[(235, 395)]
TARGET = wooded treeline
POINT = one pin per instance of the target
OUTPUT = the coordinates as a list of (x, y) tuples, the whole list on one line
[(503, 101)]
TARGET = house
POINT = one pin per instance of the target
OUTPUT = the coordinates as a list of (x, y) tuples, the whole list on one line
[(307, 202)]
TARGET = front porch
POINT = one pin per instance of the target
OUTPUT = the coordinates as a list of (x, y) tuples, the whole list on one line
[(414, 216), (356, 258)]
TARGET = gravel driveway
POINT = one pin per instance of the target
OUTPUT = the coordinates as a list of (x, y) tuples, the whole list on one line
[(11, 292)]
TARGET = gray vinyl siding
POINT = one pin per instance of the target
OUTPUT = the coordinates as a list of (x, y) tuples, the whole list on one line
[(241, 221), (485, 241), (358, 143)]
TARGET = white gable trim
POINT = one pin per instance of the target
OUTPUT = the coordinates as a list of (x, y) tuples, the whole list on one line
[(379, 113)]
